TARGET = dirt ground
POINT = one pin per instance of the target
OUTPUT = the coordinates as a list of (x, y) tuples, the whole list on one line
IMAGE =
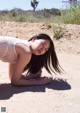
[(60, 96)]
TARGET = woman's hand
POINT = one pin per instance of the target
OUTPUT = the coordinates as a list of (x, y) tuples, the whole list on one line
[(45, 80), (40, 80)]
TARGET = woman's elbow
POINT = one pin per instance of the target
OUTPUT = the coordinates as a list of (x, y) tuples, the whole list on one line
[(14, 82)]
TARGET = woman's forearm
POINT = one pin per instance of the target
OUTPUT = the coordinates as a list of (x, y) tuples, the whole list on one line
[(24, 82), (31, 82)]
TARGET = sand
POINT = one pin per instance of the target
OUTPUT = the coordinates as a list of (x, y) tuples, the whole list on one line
[(62, 94)]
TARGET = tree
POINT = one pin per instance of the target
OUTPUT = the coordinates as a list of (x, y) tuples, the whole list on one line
[(73, 2), (34, 4)]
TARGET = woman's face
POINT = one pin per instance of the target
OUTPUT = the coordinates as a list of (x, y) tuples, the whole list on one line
[(39, 46)]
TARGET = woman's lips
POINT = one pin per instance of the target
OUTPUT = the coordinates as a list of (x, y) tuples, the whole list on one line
[(39, 51)]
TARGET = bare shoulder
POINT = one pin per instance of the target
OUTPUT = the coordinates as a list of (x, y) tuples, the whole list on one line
[(22, 48), (23, 51)]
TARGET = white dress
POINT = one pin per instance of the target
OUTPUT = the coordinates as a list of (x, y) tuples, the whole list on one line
[(7, 48)]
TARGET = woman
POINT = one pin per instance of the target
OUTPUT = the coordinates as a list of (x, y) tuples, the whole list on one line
[(30, 55)]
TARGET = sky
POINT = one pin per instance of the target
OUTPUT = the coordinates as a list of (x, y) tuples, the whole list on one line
[(25, 4)]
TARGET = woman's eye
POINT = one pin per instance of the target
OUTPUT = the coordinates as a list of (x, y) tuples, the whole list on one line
[(46, 49), (43, 44)]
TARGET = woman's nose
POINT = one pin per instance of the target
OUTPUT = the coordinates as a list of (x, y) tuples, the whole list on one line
[(42, 49)]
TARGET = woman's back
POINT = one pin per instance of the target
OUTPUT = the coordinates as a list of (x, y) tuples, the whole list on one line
[(7, 48)]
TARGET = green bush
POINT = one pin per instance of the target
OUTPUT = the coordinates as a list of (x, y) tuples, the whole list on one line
[(72, 15), (58, 31), (21, 16)]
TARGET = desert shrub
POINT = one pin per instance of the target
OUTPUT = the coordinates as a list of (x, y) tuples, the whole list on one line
[(72, 15), (58, 31), (13, 13), (19, 15), (19, 18)]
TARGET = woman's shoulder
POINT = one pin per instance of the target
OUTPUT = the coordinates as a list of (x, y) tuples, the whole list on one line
[(23, 52), (22, 49)]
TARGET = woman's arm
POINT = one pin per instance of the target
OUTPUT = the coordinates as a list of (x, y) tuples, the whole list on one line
[(24, 76), (15, 73), (27, 82), (32, 82)]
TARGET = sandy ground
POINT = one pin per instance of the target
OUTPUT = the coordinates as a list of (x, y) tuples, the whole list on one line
[(60, 96)]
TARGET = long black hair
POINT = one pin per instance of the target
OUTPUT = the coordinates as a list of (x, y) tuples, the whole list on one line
[(48, 60)]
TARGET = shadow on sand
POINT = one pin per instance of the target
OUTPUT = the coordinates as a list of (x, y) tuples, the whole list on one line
[(7, 90)]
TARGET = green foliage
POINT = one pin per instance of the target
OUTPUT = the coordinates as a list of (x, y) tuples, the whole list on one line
[(53, 11), (72, 15), (58, 31), (31, 19), (13, 13), (30, 16), (20, 19)]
